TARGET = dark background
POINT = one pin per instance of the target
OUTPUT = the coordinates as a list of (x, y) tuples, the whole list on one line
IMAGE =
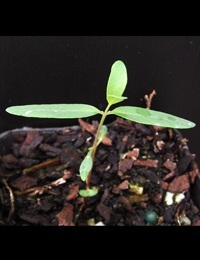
[(75, 69)]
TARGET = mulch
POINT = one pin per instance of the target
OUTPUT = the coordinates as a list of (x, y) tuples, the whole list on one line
[(138, 169)]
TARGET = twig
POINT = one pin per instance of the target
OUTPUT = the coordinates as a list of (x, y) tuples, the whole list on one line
[(42, 165), (34, 190), (12, 200), (148, 99)]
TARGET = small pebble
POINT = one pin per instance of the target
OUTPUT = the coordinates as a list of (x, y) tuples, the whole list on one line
[(151, 217)]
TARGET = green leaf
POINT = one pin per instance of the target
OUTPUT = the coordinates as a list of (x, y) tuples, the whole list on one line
[(102, 134), (115, 99), (116, 83), (151, 117), (88, 192), (59, 111), (86, 166)]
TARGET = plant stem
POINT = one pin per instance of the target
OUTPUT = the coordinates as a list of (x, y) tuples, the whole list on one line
[(104, 114)]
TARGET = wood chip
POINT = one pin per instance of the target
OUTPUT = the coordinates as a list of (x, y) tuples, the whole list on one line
[(65, 216), (169, 175), (86, 126), (73, 192), (104, 211), (197, 223), (70, 155), (67, 174), (194, 172), (126, 202), (138, 198), (115, 190), (146, 163), (125, 165), (92, 130), (184, 162), (9, 158), (164, 185), (169, 165), (179, 184), (132, 154), (124, 185), (34, 219), (23, 182), (49, 148), (158, 198), (33, 139), (160, 145)]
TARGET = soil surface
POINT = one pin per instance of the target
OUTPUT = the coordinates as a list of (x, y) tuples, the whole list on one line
[(144, 176)]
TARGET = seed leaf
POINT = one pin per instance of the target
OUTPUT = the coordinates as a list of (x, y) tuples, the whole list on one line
[(102, 134), (151, 117), (116, 83), (86, 166), (60, 111), (88, 192)]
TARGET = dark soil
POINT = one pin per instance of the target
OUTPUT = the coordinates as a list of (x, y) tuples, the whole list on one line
[(40, 183)]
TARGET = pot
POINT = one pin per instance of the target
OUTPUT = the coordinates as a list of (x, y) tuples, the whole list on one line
[(146, 176)]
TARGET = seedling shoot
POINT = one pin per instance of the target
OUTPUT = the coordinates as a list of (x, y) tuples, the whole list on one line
[(116, 86)]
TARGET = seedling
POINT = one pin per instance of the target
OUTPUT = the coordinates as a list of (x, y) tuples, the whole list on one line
[(115, 88)]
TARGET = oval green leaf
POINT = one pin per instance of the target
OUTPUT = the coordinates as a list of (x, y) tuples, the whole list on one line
[(152, 117), (116, 83), (102, 133), (59, 111), (88, 192), (86, 166)]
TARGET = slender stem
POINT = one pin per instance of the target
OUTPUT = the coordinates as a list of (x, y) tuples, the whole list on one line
[(104, 114)]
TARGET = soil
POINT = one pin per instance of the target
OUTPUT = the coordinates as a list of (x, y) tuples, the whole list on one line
[(137, 169)]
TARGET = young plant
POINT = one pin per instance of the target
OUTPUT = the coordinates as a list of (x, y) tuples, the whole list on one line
[(116, 85)]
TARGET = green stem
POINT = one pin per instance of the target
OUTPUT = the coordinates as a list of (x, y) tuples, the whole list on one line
[(104, 114)]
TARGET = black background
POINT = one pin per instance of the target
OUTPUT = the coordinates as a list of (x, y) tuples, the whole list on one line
[(75, 69)]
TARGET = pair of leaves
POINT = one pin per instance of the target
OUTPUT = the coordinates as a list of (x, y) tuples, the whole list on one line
[(115, 88), (136, 114)]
